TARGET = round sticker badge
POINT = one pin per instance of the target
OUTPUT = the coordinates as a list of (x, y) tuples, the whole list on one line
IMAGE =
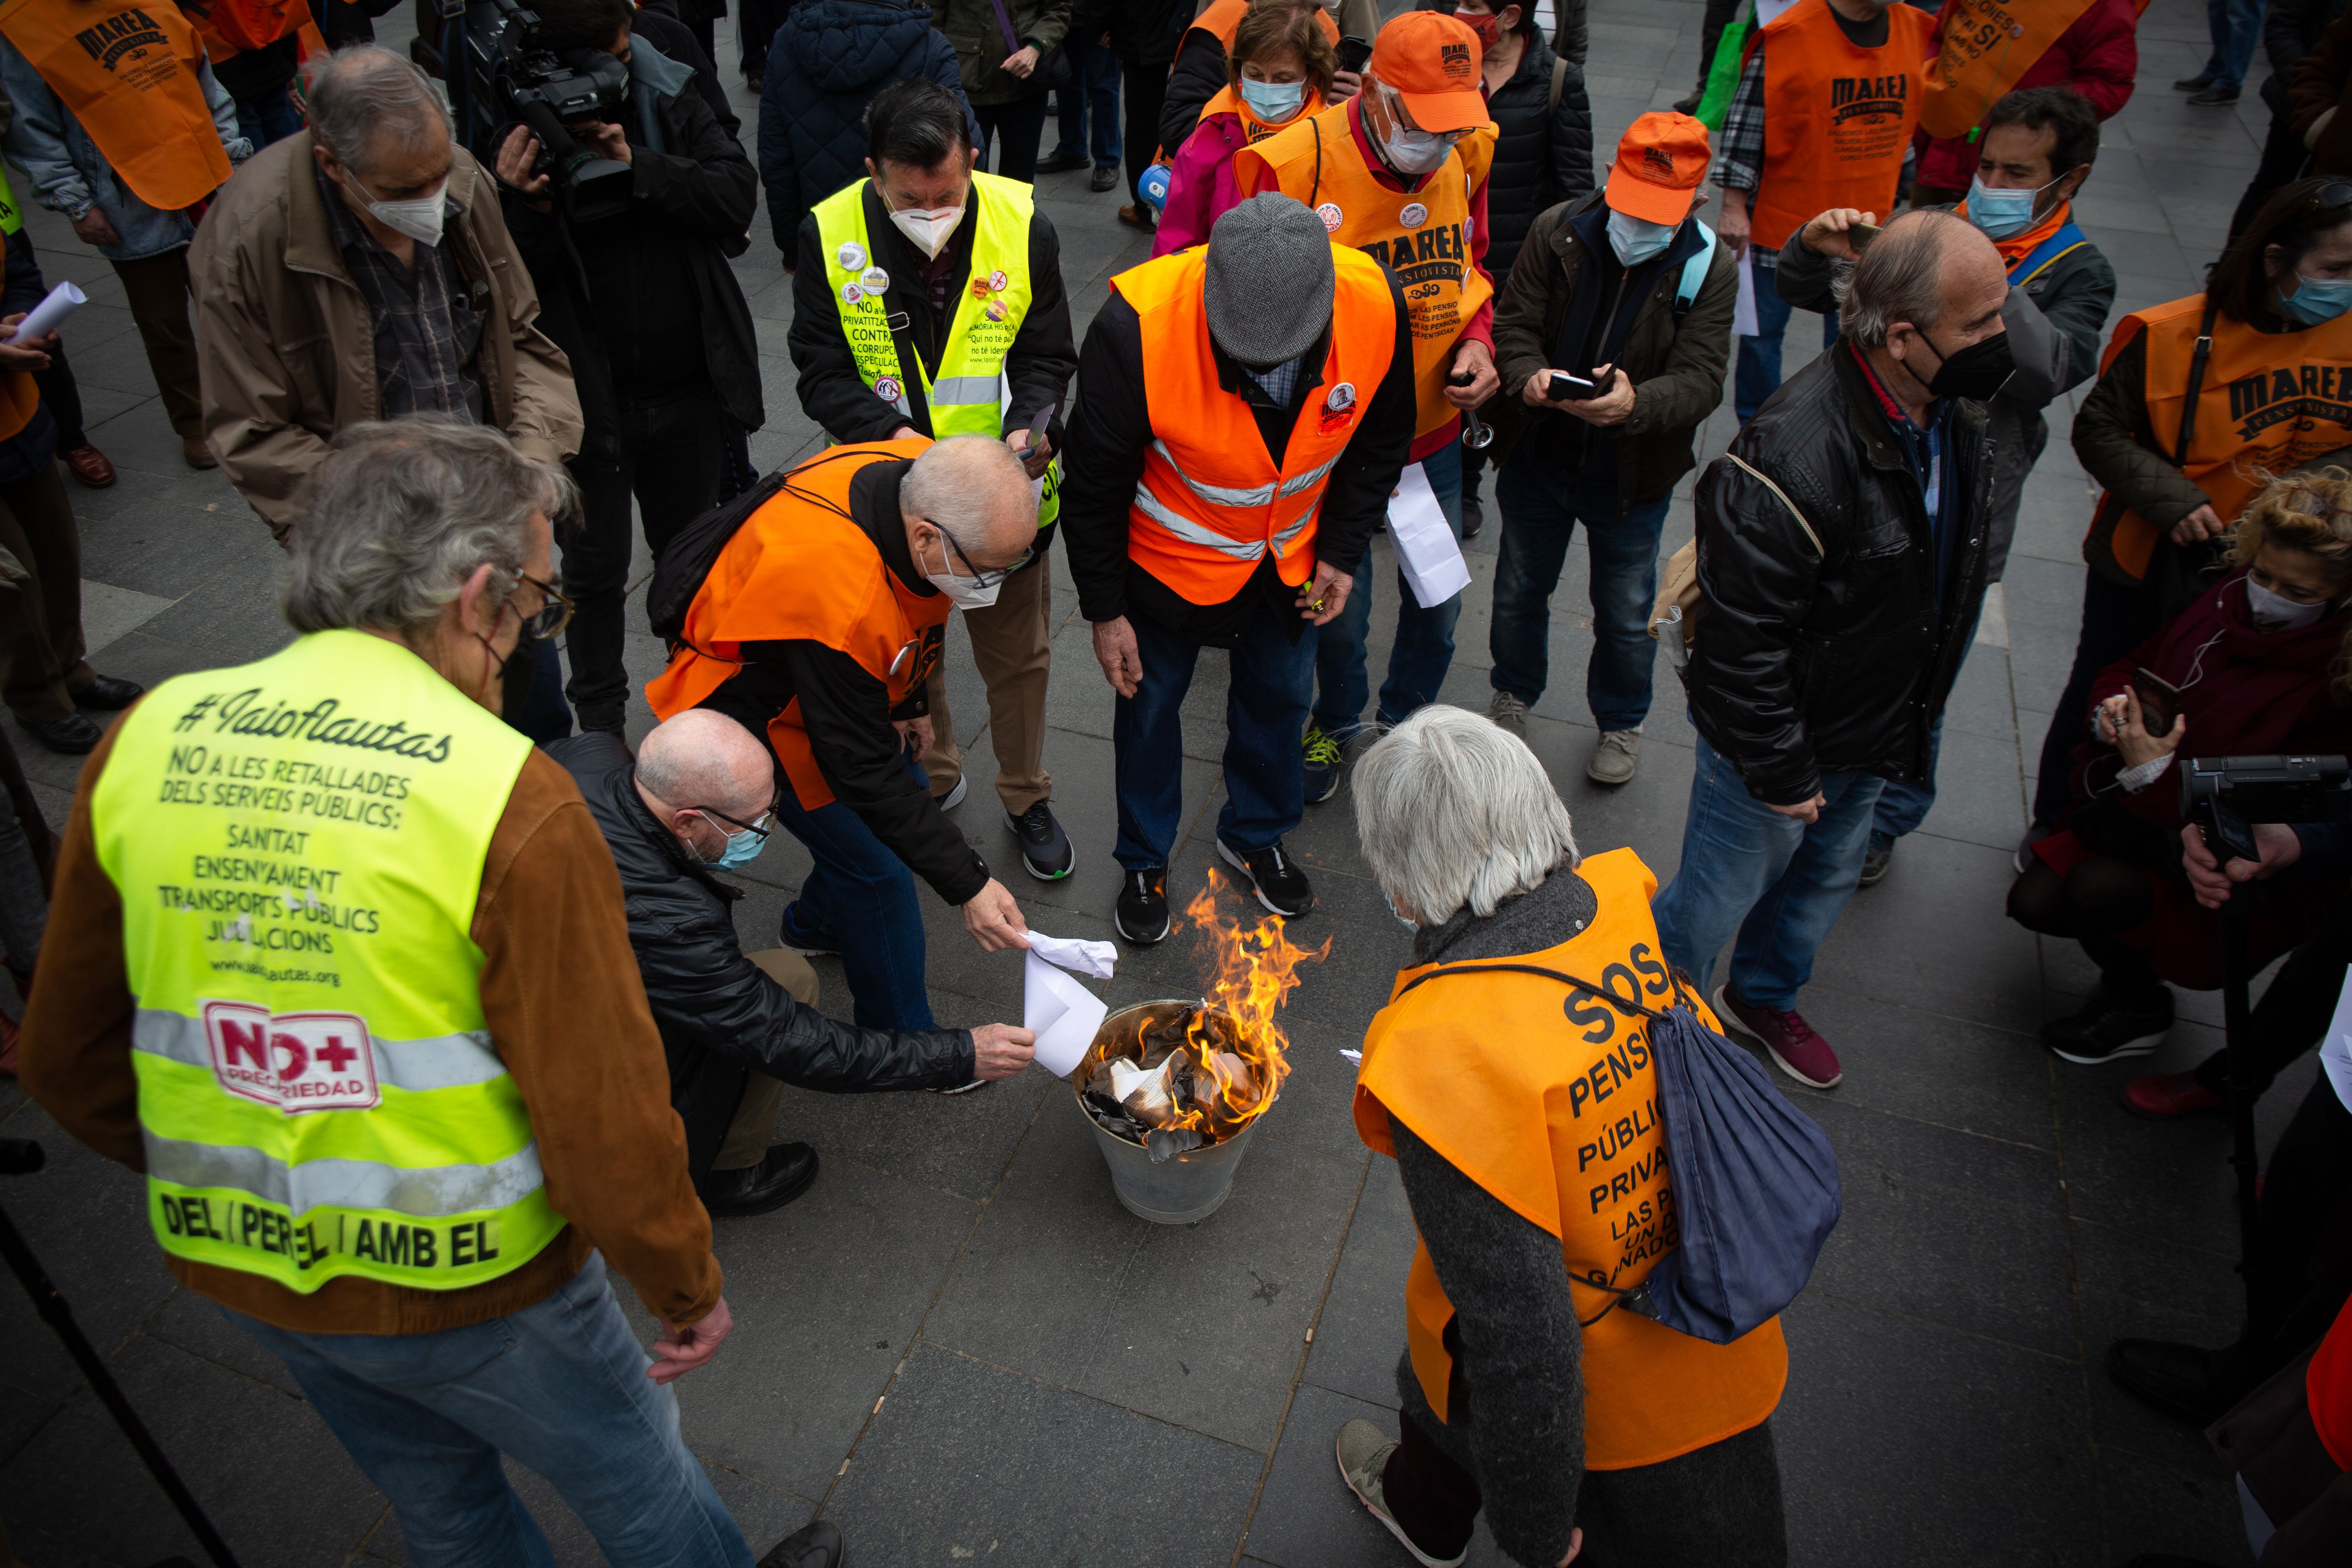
[(851, 294), (997, 311), (1342, 397), (851, 256), (875, 279), (1413, 216), (998, 282), (889, 390), (1330, 215)]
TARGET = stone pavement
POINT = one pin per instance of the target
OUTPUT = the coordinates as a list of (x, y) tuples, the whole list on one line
[(962, 1349)]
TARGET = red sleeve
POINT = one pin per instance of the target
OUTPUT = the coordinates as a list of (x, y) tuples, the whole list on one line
[(2103, 50), (1480, 328)]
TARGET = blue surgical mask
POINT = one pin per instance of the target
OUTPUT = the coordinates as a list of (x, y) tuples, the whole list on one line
[(1637, 239), (743, 846), (2317, 300), (2000, 214), (1273, 101)]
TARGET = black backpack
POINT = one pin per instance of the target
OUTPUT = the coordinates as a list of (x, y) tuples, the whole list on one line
[(687, 559)]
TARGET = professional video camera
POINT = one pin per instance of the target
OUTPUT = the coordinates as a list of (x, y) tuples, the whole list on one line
[(510, 77)]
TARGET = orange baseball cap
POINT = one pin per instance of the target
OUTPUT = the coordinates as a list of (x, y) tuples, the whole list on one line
[(1660, 163), (1431, 60)]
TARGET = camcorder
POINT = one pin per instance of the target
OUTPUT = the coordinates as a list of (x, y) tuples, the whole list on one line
[(512, 78), (2226, 796)]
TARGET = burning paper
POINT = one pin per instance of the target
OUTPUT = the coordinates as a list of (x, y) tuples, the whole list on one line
[(1064, 1014)]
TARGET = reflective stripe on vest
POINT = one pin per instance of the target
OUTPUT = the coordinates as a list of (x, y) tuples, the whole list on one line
[(1211, 502), (1547, 1100), (129, 74), (966, 398), (299, 844), (1837, 117)]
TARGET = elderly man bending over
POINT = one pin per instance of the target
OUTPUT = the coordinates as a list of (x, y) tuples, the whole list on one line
[(701, 798)]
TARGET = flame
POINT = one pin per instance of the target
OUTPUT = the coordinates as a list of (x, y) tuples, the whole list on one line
[(1248, 972)]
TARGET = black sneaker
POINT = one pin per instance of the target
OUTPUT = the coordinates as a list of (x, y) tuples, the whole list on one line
[(1142, 913), (788, 1170), (1062, 163), (1102, 179), (1690, 101), (2107, 1030), (2213, 98), (1045, 850), (1473, 516), (1322, 757), (108, 694), (2195, 1384), (2197, 83), (1876, 858), (807, 943), (816, 1544), (1281, 886)]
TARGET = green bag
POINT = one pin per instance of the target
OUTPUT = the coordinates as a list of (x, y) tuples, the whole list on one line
[(1723, 71)]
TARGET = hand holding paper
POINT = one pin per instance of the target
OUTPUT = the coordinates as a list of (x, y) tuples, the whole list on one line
[(46, 317), (1063, 1013)]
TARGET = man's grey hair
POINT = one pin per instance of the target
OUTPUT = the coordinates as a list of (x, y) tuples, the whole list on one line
[(1899, 279), (702, 758), (1453, 810), (402, 513), (966, 487), (361, 94)]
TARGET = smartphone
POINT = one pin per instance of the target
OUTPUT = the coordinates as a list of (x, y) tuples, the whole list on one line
[(2159, 701), (1860, 235), (1038, 431), (1565, 385), (1353, 52)]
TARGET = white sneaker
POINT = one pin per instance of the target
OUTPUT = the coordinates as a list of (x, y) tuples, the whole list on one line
[(1363, 1453), (954, 797)]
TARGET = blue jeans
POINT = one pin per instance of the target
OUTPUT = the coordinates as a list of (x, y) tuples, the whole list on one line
[(561, 1386), (861, 896), (2235, 26), (1540, 517), (1759, 376), (1091, 94), (266, 117), (1779, 882), (1266, 709), (1425, 638)]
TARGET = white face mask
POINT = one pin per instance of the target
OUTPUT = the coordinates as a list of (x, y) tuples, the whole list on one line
[(419, 219), (928, 228), (1638, 240), (962, 592), (1410, 152), (2277, 613)]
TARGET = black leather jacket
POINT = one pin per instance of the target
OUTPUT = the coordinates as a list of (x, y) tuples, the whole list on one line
[(719, 1013), (1836, 660)]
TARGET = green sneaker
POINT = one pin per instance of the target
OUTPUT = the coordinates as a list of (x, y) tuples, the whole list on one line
[(1324, 757)]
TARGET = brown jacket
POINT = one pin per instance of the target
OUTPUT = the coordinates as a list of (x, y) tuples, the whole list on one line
[(561, 999), (2316, 83), (285, 347)]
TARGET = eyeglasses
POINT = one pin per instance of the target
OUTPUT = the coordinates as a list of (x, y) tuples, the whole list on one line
[(766, 818), (552, 616), (1394, 101), (981, 579)]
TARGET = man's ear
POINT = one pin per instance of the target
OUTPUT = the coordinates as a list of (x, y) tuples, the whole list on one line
[(2075, 178)]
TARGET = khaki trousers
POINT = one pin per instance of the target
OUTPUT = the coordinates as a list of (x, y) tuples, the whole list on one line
[(1011, 648), (156, 288), (746, 1143), (44, 666)]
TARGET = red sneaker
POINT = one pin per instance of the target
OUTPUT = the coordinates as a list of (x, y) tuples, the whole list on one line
[(2162, 1096), (1795, 1048)]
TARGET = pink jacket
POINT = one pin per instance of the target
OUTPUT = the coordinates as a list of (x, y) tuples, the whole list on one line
[(1201, 186)]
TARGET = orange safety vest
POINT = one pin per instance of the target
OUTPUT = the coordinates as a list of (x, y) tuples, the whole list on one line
[(2268, 402), (1422, 236), (20, 396), (231, 27), (1837, 118), (1986, 47), (1557, 1116), (128, 71), (1212, 503), (799, 569), (1222, 18), (1229, 101)]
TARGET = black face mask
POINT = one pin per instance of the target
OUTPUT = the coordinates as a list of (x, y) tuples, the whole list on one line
[(1976, 372)]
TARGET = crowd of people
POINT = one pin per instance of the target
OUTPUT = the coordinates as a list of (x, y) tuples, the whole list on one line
[(455, 378)]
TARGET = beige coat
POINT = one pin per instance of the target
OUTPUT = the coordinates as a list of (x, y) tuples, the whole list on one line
[(285, 348)]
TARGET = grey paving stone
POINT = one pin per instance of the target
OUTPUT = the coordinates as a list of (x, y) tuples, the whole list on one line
[(235, 617), (190, 1323), (2148, 1505), (1935, 1068), (957, 1143), (984, 1461), (171, 550), (2129, 1286), (1980, 702), (1910, 951), (1360, 1332)]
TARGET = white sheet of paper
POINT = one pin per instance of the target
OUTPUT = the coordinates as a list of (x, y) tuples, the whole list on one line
[(2336, 1052), (1063, 1013), (1095, 959), (1769, 11), (1743, 310), (43, 319), (1426, 551)]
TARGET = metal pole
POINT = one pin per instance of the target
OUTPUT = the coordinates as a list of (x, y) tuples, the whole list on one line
[(2238, 1041)]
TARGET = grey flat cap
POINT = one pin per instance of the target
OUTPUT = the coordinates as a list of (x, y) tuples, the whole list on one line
[(1270, 280)]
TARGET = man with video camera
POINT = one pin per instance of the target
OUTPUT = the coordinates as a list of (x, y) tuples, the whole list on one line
[(628, 231)]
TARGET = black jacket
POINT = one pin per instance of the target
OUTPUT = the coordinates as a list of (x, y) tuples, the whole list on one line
[(1543, 155), (1112, 429), (1143, 32), (718, 1012), (700, 192), (1838, 660)]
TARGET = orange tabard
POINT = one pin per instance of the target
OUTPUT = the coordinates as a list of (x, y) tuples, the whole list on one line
[(20, 396), (799, 569), (2270, 401), (1837, 119), (1558, 1118), (1229, 101), (129, 74), (1422, 236), (230, 27), (1223, 18), (1212, 503), (1986, 46)]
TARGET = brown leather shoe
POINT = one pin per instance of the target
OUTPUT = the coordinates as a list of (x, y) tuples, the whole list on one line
[(197, 453), (88, 464), (1137, 215)]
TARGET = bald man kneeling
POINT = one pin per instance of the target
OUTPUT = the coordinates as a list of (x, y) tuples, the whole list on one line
[(699, 800)]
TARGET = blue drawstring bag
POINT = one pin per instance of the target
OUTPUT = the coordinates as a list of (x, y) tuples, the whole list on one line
[(1755, 1179)]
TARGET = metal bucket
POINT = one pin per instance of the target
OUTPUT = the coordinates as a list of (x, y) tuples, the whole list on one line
[(1180, 1191)]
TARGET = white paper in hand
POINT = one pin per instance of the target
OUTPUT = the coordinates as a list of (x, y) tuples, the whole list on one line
[(1095, 959), (1743, 309), (2336, 1051), (1063, 1013), (44, 317), (1426, 551)]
